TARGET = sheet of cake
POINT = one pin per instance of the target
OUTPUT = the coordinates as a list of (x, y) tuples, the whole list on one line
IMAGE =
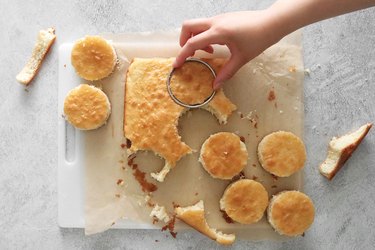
[(268, 93)]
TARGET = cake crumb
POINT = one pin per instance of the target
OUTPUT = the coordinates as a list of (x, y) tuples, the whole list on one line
[(154, 220), (242, 139), (175, 205), (160, 213), (271, 95), (292, 69), (147, 198), (253, 118), (120, 182)]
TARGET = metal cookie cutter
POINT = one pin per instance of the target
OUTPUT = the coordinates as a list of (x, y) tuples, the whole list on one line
[(186, 105)]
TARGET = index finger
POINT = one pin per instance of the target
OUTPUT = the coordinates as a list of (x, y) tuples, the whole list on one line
[(193, 27), (201, 41)]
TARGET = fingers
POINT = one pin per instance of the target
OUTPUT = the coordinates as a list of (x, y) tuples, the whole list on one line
[(200, 41), (228, 70), (195, 31), (193, 27), (208, 49)]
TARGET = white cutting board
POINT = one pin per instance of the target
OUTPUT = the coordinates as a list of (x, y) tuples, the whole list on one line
[(71, 145), (71, 155), (71, 186)]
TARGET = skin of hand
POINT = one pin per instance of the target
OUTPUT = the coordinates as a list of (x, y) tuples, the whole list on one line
[(244, 39), (249, 33)]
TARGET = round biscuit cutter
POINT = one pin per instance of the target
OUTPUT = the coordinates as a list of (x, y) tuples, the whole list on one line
[(181, 103)]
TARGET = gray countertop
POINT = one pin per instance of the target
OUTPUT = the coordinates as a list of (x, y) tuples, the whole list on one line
[(339, 96)]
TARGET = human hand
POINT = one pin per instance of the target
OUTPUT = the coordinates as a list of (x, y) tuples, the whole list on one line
[(249, 33), (246, 34)]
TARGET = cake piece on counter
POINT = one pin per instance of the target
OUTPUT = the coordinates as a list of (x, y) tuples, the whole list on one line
[(340, 149), (44, 42)]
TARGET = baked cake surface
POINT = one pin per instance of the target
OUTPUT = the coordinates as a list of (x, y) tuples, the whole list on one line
[(151, 116)]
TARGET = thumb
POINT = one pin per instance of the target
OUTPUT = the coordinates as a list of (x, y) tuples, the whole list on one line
[(227, 72)]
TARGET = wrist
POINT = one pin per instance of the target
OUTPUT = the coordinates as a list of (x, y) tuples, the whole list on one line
[(281, 18), (273, 26)]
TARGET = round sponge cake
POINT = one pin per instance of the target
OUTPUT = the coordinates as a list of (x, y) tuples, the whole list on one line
[(223, 155), (245, 201), (86, 107), (291, 213), (281, 153), (93, 58)]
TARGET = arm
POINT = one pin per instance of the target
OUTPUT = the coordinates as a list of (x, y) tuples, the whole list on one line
[(294, 16), (249, 33)]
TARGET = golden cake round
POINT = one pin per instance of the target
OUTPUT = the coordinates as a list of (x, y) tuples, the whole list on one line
[(86, 107), (281, 153), (291, 213), (245, 201), (93, 58), (223, 155)]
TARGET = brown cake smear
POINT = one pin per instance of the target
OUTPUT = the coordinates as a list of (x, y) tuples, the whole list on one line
[(120, 182), (170, 226), (128, 143), (240, 176), (226, 217), (141, 176), (271, 95), (242, 139)]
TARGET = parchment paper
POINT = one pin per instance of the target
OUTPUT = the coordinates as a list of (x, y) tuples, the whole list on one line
[(278, 70)]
